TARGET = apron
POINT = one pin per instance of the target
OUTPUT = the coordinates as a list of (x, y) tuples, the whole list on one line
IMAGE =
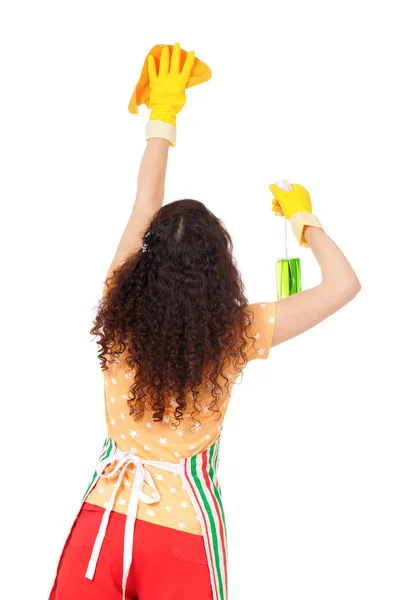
[(199, 478)]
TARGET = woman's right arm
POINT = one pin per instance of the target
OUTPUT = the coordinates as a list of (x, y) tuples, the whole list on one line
[(300, 312)]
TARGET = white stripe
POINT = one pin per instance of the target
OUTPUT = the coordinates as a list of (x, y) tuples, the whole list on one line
[(215, 517), (199, 472), (200, 513)]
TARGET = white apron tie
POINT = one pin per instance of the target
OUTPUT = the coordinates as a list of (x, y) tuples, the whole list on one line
[(142, 475)]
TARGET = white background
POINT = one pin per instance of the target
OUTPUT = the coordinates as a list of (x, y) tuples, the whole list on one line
[(300, 90)]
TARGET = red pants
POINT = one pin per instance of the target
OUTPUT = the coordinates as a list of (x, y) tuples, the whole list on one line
[(167, 564)]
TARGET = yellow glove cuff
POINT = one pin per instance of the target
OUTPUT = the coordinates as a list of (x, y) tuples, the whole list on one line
[(160, 129), (299, 220)]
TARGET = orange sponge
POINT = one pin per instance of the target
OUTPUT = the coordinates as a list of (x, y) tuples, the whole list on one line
[(200, 74)]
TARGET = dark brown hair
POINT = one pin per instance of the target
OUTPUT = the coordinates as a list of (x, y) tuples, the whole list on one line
[(177, 311)]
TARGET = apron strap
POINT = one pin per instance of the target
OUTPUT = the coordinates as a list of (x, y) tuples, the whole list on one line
[(198, 475), (142, 475)]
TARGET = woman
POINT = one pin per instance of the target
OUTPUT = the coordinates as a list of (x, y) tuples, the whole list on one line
[(175, 332)]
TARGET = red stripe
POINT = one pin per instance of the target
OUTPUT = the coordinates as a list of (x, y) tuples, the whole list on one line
[(105, 450), (204, 520), (221, 523)]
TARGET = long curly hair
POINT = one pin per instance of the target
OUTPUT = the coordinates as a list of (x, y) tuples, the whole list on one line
[(177, 312)]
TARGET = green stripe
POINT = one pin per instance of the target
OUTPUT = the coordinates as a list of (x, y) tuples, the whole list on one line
[(109, 449), (214, 452), (215, 489), (88, 490), (212, 524), (91, 484)]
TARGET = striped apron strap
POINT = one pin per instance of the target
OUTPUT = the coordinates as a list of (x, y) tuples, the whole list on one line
[(201, 483), (108, 449)]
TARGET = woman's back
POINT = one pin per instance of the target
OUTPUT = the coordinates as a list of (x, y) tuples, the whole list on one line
[(166, 440)]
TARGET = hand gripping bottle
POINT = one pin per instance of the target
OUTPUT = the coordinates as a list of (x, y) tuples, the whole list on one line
[(288, 270)]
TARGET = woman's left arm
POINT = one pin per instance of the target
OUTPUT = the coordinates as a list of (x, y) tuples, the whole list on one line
[(149, 198)]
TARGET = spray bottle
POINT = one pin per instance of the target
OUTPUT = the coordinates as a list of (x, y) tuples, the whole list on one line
[(288, 270)]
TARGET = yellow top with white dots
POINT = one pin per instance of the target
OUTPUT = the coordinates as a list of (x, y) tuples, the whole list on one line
[(160, 441)]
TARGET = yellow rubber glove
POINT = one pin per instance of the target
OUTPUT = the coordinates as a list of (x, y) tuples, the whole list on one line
[(296, 206), (200, 73), (285, 204), (167, 88)]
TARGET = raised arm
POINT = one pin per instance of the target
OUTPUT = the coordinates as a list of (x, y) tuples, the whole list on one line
[(167, 97), (149, 198), (300, 312)]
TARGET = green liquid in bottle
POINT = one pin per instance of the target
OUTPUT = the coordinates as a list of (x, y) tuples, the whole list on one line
[(288, 275)]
